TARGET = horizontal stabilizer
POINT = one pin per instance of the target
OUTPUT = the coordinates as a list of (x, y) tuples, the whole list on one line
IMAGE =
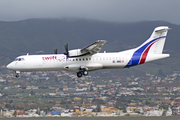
[(153, 57), (163, 30)]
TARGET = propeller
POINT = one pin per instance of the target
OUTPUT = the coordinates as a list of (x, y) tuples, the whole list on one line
[(66, 49), (55, 50)]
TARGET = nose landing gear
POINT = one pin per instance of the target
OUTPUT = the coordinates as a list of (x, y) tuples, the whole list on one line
[(17, 74)]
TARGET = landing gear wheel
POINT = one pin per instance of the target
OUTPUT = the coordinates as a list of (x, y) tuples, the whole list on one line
[(17, 75), (79, 74), (85, 73)]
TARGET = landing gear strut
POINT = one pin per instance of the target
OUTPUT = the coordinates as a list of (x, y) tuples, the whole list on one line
[(82, 71)]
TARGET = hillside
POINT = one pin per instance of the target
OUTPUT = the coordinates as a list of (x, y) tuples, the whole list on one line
[(32, 35)]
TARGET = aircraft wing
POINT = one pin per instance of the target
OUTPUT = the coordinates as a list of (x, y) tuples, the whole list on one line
[(94, 47)]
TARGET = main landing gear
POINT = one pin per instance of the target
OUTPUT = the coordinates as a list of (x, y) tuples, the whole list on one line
[(82, 71)]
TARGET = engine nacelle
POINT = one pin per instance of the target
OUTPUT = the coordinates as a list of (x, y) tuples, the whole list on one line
[(75, 52)]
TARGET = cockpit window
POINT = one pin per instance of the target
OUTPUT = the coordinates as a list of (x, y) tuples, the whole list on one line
[(16, 59), (19, 59)]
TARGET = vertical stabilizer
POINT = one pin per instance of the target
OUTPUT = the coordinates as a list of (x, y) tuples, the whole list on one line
[(151, 49), (161, 33), (155, 43)]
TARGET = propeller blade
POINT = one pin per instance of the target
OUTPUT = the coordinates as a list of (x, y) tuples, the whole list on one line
[(66, 49), (55, 50)]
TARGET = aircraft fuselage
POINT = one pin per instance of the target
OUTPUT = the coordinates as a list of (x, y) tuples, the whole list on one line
[(57, 62)]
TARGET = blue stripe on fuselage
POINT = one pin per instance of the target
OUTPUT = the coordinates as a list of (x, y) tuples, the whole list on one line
[(137, 54)]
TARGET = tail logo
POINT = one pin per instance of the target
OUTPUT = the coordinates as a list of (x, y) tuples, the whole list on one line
[(140, 55)]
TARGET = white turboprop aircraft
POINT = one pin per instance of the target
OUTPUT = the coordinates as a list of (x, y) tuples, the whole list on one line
[(88, 59)]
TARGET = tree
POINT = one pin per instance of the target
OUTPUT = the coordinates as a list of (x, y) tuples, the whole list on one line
[(67, 106), (164, 113), (160, 72), (117, 91), (32, 93), (164, 106), (98, 108), (124, 109), (38, 111), (91, 87), (97, 101), (7, 106), (10, 101), (5, 95), (15, 113)]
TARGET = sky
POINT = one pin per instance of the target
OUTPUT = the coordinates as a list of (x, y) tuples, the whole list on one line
[(106, 10)]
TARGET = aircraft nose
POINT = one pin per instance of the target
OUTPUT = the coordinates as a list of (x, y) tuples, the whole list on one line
[(9, 66)]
